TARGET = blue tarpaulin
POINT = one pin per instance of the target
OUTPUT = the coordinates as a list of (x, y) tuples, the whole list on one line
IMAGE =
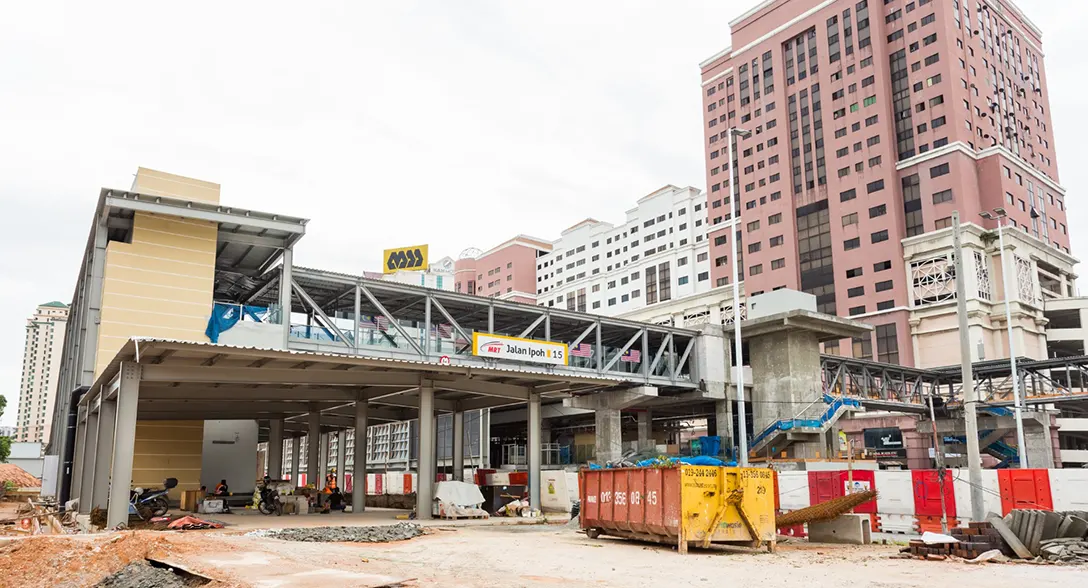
[(225, 316)]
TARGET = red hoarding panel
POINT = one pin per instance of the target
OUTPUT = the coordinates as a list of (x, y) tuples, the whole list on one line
[(823, 486), (926, 486), (1027, 489)]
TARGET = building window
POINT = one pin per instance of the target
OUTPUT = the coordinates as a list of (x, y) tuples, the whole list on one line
[(879, 236), (851, 244), (942, 196), (883, 286), (774, 219), (887, 344), (856, 291), (777, 240), (850, 219), (778, 263), (874, 186), (879, 210), (943, 223), (755, 270), (665, 281), (938, 171), (848, 195), (853, 272), (682, 280), (703, 276), (882, 265), (885, 305), (856, 310)]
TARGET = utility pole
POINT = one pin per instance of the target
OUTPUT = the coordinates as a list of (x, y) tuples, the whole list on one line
[(938, 452), (970, 395)]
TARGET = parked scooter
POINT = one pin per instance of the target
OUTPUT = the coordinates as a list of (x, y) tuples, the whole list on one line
[(270, 501), (152, 502)]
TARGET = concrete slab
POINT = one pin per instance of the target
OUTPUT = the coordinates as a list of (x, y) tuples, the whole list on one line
[(850, 529), (1009, 537), (1051, 520), (1036, 532), (1077, 527)]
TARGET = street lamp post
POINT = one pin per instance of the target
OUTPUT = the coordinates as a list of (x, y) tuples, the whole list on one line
[(734, 203), (999, 214)]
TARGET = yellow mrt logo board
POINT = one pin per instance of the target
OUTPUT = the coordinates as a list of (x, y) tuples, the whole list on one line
[(404, 258)]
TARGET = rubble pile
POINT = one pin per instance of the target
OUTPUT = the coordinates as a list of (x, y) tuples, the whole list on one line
[(970, 542), (1050, 536), (140, 574), (375, 534)]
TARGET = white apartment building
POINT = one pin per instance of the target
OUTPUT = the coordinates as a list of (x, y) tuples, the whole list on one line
[(41, 364), (658, 254)]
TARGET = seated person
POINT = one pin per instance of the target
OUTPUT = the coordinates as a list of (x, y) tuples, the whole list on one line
[(335, 500), (221, 489)]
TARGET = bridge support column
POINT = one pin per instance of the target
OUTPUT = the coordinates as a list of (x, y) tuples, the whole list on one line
[(425, 492), (275, 448), (723, 416), (645, 431), (784, 352), (607, 406), (313, 445), (459, 446)]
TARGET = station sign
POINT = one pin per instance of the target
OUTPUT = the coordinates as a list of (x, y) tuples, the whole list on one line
[(404, 258), (494, 346)]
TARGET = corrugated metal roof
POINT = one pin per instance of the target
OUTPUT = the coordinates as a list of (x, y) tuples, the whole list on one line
[(135, 342)]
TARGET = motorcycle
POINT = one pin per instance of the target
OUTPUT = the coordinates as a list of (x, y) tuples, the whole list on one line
[(270, 501), (152, 502)]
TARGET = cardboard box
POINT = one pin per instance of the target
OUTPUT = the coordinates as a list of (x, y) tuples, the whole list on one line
[(190, 500)]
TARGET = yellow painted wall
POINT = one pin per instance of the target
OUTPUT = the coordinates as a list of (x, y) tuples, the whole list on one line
[(157, 183), (160, 285), (168, 449)]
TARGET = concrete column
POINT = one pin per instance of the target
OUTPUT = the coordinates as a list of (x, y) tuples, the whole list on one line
[(645, 431), (425, 495), (285, 294), (609, 438), (275, 449), (533, 450), (1039, 449), (77, 458), (296, 454), (313, 443), (124, 444), (723, 414), (358, 474), (107, 422), (323, 459), (459, 446), (341, 459), (786, 374), (90, 453)]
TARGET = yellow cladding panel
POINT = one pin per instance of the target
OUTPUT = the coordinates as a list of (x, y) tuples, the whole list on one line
[(159, 285), (404, 258), (704, 496), (154, 182), (168, 449)]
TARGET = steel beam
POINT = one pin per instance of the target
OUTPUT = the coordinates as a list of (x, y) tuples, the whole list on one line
[(235, 394), (305, 296), (396, 324), (532, 327), (124, 445), (623, 350), (276, 376)]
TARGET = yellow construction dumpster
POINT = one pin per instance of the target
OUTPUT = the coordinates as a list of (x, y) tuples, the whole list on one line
[(680, 504)]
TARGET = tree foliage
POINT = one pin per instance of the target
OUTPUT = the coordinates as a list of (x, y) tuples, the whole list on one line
[(5, 442)]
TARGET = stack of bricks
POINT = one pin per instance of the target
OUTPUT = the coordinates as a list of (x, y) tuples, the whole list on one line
[(974, 540)]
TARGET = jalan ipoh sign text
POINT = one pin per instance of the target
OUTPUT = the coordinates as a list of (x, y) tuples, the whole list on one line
[(515, 348)]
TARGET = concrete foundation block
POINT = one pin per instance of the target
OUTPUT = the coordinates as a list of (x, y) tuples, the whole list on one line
[(1076, 527), (1051, 520), (850, 529)]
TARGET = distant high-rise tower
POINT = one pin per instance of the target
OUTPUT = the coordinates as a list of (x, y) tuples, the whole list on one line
[(870, 123), (41, 363)]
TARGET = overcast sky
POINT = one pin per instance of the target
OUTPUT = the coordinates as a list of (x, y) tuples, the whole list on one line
[(456, 124)]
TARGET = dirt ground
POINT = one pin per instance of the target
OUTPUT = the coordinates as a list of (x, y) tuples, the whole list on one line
[(478, 556)]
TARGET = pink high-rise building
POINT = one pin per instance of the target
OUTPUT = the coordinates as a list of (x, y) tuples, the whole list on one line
[(871, 122), (506, 271)]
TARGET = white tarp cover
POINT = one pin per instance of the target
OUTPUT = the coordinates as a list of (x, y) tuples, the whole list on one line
[(458, 493)]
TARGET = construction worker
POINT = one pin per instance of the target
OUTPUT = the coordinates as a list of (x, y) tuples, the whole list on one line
[(329, 490), (221, 488)]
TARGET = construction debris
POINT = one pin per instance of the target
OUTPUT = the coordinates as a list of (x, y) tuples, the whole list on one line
[(824, 511), (1051, 536), (1036, 535), (971, 542), (141, 574), (375, 534)]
